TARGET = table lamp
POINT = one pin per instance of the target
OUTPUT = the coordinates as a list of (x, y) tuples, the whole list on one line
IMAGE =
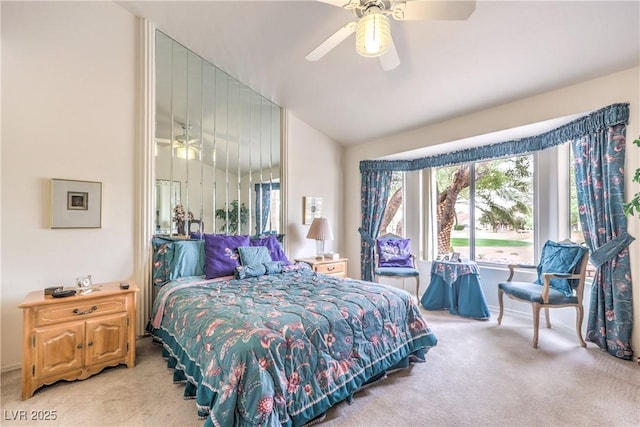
[(320, 231)]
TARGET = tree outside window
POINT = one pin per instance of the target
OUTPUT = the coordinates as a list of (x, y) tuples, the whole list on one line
[(499, 229), (393, 219)]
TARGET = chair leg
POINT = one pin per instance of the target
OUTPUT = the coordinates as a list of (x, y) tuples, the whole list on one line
[(536, 323), (579, 316), (500, 293), (546, 315)]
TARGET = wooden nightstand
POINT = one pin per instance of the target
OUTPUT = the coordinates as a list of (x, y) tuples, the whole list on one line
[(75, 337), (331, 267)]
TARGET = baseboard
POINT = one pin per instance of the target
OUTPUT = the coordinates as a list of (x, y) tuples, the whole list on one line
[(10, 368)]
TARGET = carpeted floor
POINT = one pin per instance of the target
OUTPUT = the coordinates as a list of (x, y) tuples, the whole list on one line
[(480, 374)]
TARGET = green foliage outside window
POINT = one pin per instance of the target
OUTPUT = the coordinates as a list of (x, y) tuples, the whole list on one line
[(634, 203)]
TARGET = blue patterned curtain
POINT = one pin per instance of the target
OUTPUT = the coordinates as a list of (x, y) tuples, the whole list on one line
[(599, 168), (374, 194), (263, 204)]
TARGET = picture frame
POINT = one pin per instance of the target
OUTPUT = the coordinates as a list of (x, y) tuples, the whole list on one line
[(312, 208), (455, 257), (76, 204)]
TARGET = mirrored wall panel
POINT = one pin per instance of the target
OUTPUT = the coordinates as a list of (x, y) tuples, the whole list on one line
[(217, 149)]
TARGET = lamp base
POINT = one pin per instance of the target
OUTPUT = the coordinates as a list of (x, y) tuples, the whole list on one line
[(319, 249)]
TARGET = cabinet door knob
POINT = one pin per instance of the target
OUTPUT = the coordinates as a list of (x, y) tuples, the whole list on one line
[(79, 345), (90, 343)]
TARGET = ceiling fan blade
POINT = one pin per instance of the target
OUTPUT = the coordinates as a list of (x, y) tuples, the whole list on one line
[(346, 4), (419, 10), (390, 59), (334, 40)]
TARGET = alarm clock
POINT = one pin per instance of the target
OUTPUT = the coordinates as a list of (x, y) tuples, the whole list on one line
[(84, 283)]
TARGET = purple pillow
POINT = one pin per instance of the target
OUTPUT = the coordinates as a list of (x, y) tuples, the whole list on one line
[(394, 253), (275, 250), (221, 254)]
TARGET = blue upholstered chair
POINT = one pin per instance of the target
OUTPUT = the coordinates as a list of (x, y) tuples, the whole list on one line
[(393, 259), (560, 283)]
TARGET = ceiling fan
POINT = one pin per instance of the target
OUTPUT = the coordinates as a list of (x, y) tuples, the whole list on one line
[(184, 148), (372, 27)]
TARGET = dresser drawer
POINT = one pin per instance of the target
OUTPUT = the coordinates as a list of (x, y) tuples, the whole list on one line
[(334, 268), (77, 310)]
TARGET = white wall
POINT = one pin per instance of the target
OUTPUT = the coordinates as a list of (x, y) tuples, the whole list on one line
[(314, 169), (68, 104), (587, 96)]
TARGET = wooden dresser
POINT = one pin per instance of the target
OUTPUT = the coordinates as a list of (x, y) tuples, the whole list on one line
[(75, 337), (332, 267)]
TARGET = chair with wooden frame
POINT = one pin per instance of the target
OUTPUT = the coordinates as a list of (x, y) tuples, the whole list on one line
[(544, 294)]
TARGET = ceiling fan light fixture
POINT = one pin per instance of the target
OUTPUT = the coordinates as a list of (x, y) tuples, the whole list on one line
[(373, 34), (185, 152)]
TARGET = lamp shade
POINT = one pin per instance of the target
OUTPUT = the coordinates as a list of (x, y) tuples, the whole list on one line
[(320, 230)]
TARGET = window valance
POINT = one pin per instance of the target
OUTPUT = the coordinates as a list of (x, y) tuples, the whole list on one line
[(597, 120)]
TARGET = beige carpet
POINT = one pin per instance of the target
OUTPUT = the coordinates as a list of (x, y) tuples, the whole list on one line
[(480, 374)]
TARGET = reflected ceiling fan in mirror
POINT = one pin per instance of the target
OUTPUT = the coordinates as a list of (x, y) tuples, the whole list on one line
[(373, 28), (184, 148)]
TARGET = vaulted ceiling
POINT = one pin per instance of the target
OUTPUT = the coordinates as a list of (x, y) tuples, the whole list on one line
[(505, 51)]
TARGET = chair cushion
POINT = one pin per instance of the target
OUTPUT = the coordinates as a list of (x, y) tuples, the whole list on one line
[(394, 252), (396, 271), (532, 292), (559, 258)]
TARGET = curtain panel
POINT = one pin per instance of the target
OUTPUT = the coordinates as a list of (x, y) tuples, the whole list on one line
[(374, 194), (263, 204), (599, 168)]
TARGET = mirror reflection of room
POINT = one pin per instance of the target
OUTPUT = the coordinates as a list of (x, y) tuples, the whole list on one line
[(217, 150)]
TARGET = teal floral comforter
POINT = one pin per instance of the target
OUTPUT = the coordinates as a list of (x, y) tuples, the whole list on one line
[(281, 349)]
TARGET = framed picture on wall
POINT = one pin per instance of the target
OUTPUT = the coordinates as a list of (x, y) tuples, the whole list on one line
[(312, 208), (76, 204)]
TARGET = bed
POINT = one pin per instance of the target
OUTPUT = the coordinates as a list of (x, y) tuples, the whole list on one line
[(279, 346)]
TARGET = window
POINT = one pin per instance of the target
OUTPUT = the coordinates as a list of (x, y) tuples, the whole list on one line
[(274, 210), (393, 219), (485, 210), (575, 223), (576, 226), (453, 209)]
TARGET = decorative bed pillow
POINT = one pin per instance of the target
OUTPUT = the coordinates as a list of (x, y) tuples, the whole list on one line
[(176, 258), (162, 256), (221, 254), (275, 249), (258, 269), (273, 267), (279, 236), (559, 258), (252, 270), (250, 255), (394, 252), (188, 259)]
